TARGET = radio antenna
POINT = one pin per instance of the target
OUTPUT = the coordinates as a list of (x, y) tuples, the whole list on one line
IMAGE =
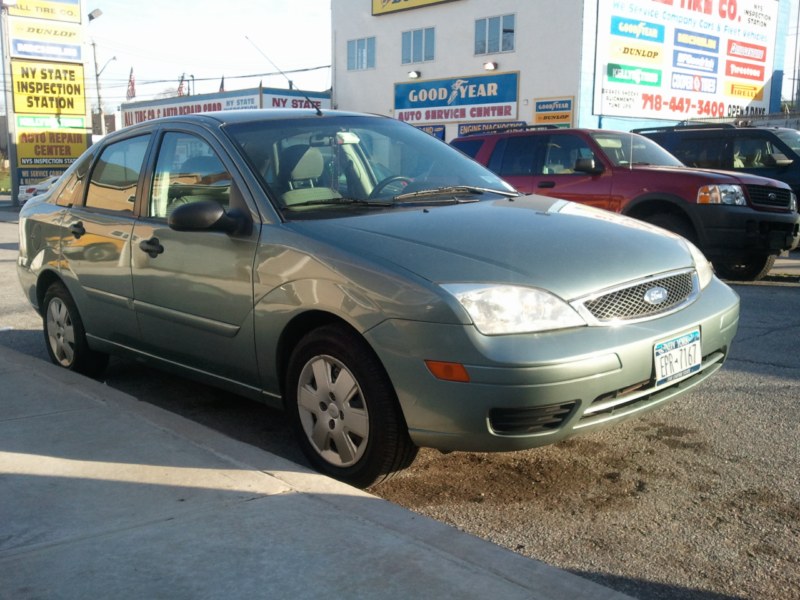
[(291, 85)]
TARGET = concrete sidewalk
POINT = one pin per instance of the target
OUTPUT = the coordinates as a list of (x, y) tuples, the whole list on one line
[(104, 496)]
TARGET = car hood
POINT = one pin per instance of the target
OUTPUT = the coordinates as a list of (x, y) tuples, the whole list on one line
[(712, 176), (567, 248)]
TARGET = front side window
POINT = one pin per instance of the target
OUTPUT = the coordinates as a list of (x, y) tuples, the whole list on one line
[(629, 149), (116, 175), (418, 45), (187, 171), (495, 34), (561, 154), (361, 54), (753, 152)]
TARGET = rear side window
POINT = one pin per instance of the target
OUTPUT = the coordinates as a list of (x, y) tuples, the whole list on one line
[(116, 175), (517, 156), (703, 153), (468, 147)]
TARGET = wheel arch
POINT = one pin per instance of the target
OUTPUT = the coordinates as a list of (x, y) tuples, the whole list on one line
[(296, 329), (43, 283), (645, 207)]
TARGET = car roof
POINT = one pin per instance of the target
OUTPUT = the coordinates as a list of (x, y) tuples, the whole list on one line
[(536, 131)]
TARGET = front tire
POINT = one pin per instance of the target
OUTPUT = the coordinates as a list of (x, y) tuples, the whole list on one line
[(751, 267), (65, 336), (344, 409)]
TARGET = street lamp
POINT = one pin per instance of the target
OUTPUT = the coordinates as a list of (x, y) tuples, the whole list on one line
[(97, 72)]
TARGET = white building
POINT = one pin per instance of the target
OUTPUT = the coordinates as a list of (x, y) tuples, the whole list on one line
[(458, 65)]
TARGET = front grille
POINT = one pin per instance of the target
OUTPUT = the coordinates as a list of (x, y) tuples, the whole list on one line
[(529, 420), (769, 197), (629, 303)]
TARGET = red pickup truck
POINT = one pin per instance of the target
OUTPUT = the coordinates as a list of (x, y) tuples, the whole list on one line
[(740, 221)]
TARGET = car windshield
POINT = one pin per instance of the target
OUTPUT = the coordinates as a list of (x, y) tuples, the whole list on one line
[(628, 149), (790, 137), (353, 160)]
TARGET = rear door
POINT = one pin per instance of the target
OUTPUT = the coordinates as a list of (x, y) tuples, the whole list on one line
[(193, 291), (96, 245)]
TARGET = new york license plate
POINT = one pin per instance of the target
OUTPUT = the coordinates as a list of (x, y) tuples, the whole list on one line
[(677, 358)]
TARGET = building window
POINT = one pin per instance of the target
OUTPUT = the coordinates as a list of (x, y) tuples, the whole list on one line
[(418, 45), (495, 34), (361, 54)]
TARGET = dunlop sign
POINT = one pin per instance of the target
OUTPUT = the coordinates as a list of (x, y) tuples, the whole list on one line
[(43, 88)]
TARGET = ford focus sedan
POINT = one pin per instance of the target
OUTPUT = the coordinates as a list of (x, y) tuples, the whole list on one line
[(384, 289)]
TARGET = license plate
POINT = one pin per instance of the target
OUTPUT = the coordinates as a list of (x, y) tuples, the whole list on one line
[(677, 358)]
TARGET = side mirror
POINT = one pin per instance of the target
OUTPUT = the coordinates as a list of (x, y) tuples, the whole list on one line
[(207, 215), (588, 165)]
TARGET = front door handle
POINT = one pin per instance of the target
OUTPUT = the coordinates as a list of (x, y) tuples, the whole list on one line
[(152, 247), (547, 184), (77, 229)]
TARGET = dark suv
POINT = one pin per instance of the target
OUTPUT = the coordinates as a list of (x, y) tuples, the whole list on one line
[(740, 221), (767, 151)]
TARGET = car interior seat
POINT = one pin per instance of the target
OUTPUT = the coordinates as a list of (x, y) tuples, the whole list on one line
[(300, 171)]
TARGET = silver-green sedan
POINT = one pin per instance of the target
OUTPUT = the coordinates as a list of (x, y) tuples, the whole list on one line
[(386, 290)]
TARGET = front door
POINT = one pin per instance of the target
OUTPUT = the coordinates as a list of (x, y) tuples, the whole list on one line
[(193, 291)]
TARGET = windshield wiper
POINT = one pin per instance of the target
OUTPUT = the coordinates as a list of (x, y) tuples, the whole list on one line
[(337, 202), (454, 191)]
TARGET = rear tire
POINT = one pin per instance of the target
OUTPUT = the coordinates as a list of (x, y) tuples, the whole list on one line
[(751, 267), (344, 410), (65, 336)]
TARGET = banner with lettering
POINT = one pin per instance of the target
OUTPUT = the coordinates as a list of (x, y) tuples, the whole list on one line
[(471, 98), (684, 59)]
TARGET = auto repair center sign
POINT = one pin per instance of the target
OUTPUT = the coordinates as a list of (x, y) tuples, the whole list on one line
[(475, 98)]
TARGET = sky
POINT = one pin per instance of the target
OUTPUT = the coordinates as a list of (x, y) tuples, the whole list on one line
[(164, 39)]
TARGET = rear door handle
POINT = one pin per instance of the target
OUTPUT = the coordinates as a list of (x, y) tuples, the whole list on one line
[(547, 184), (152, 247)]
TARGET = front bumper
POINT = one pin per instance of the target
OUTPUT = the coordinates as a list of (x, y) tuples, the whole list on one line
[(724, 229), (533, 390)]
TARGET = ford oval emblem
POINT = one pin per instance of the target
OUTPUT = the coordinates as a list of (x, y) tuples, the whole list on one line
[(656, 295)]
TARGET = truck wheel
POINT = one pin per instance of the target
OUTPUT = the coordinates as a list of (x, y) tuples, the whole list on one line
[(751, 267), (344, 410)]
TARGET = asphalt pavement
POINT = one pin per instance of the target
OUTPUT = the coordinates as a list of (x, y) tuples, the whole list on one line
[(105, 496)]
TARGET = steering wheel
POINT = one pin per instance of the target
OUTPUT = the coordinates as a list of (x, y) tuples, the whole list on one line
[(388, 181)]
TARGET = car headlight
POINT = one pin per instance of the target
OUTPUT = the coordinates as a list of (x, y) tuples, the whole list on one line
[(704, 269), (504, 309), (732, 195), (793, 202)]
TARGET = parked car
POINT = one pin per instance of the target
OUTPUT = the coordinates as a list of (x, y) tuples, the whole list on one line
[(26, 192), (386, 290), (740, 221), (766, 151)]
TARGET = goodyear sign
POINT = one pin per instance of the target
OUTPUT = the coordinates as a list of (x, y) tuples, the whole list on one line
[(553, 111), (472, 98), (382, 7), (45, 88)]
